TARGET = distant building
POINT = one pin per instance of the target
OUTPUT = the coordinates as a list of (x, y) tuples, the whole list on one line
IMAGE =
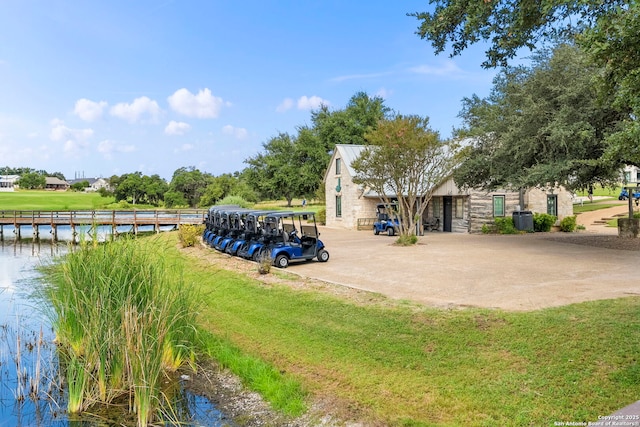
[(8, 182), (631, 175), (55, 183), (95, 184)]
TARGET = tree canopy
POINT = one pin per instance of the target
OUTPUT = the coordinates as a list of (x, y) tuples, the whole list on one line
[(405, 160), (293, 165), (508, 25), (542, 124), (190, 183), (606, 30), (275, 171), (349, 125), (138, 188), (32, 180)]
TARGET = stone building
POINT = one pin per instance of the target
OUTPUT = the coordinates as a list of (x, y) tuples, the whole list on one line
[(351, 206)]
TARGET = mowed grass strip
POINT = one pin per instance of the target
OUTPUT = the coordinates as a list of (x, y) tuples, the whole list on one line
[(34, 200), (411, 366)]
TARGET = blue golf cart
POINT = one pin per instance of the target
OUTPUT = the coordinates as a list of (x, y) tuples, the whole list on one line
[(295, 237), (386, 219)]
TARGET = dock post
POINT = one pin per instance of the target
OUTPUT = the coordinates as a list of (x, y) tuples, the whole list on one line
[(36, 232), (54, 232), (1, 233)]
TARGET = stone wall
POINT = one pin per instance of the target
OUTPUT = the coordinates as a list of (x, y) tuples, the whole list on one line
[(354, 204), (481, 207)]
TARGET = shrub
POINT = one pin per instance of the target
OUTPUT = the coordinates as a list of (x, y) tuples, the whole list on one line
[(504, 225), (174, 199), (407, 240), (543, 222), (264, 263), (189, 234), (568, 224), (321, 216), (235, 200)]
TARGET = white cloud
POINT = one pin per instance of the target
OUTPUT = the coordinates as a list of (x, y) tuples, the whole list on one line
[(177, 128), (285, 105), (89, 110), (312, 103), (139, 108), (75, 148), (60, 132), (108, 147), (238, 133), (444, 69), (203, 105)]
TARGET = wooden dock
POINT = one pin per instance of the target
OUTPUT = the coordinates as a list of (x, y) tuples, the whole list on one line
[(114, 219)]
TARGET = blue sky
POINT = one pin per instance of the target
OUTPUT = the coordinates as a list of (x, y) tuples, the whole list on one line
[(106, 87)]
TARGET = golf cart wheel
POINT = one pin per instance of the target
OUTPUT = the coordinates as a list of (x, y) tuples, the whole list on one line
[(257, 254), (390, 231), (323, 255), (282, 261), (375, 231)]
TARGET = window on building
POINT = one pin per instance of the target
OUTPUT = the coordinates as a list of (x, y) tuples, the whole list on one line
[(338, 206), (498, 205), (459, 207), (552, 204), (338, 166), (436, 207)]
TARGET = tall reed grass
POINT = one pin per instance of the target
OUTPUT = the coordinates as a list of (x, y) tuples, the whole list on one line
[(123, 316)]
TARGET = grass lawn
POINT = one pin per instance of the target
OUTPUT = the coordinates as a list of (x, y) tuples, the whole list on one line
[(606, 191), (400, 364), (41, 200), (590, 207)]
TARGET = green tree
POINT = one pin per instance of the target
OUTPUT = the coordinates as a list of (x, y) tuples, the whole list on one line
[(613, 44), (129, 187), (32, 180), (541, 125), (154, 187), (405, 160), (275, 172), (607, 30), (349, 125), (191, 183), (174, 199), (80, 185), (508, 25)]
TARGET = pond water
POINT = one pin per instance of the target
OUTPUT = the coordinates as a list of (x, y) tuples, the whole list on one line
[(30, 384)]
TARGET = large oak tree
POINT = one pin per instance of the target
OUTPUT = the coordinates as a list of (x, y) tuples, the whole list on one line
[(542, 124)]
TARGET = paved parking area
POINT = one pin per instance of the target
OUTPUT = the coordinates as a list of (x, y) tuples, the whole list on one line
[(515, 272)]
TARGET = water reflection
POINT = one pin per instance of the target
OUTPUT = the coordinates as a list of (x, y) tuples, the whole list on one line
[(31, 392)]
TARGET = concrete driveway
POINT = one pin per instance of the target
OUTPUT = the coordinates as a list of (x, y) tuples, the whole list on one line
[(515, 272)]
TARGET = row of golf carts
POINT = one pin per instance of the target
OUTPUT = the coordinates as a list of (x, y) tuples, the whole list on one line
[(281, 236)]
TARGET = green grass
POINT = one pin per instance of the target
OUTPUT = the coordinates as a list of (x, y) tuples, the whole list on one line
[(405, 365), (52, 200), (599, 191), (590, 207), (39, 200)]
